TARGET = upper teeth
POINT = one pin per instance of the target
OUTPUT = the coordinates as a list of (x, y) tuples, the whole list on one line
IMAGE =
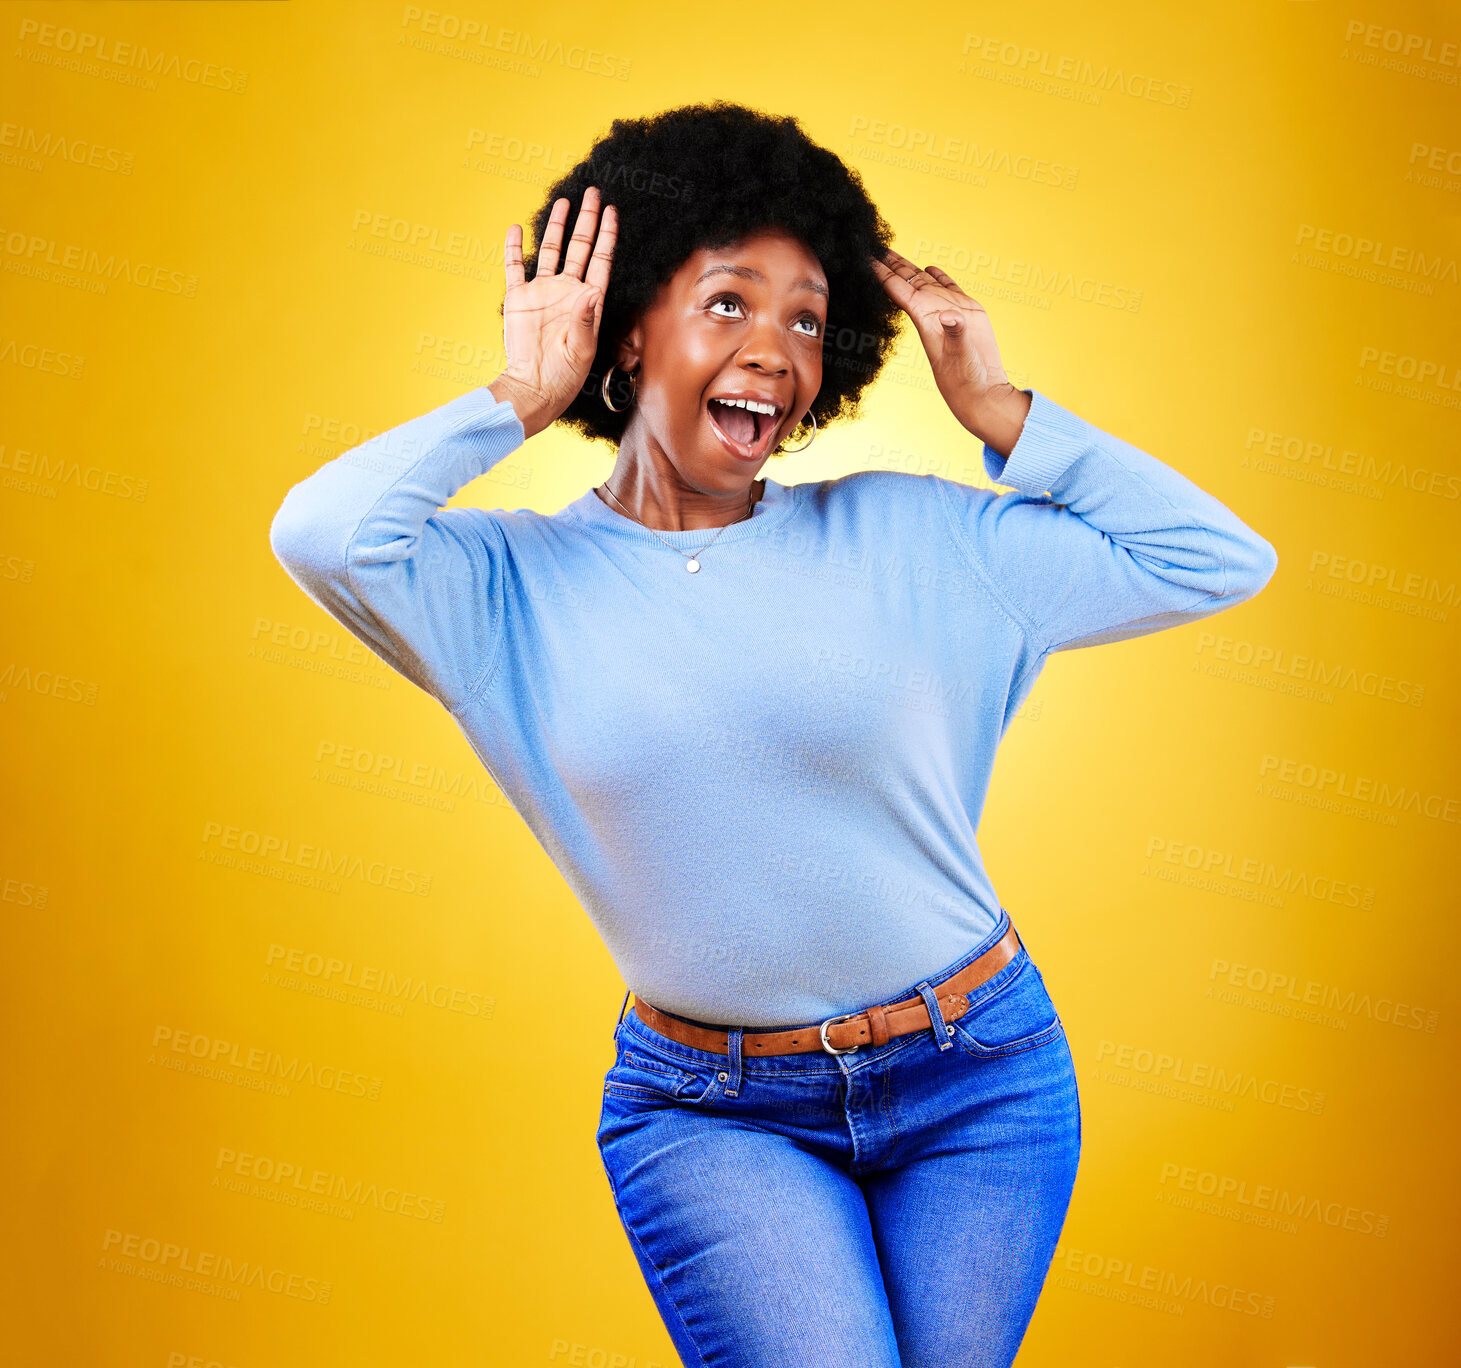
[(755, 405)]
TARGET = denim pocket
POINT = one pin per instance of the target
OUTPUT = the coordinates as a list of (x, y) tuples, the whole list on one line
[(636, 1072), (1018, 1016)]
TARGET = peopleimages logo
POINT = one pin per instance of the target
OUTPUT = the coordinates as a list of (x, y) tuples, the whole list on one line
[(537, 49), (1209, 863), (1159, 1067), (217, 1057), (1357, 247), (1398, 43), (1267, 1204), (331, 972), (166, 1256), (60, 470), (1323, 780), (1279, 667), (46, 255), (1037, 65), (1131, 1279), (1309, 992), (76, 150), (1317, 463), (1379, 585), (78, 50), (299, 1183), (283, 850)]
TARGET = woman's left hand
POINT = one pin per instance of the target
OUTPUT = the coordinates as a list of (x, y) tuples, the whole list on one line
[(958, 337)]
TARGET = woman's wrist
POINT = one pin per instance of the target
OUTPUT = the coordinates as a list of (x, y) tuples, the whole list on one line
[(531, 411), (999, 417)]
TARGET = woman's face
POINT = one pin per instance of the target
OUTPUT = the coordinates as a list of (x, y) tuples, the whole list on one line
[(738, 322)]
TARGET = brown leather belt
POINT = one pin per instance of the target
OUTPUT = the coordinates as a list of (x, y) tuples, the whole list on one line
[(843, 1034)]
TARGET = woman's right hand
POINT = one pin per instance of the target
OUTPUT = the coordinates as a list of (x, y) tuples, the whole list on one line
[(550, 324)]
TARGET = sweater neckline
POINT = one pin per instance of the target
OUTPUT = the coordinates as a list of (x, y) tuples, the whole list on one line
[(772, 507)]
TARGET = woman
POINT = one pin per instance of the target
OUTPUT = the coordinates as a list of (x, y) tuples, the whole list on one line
[(753, 725)]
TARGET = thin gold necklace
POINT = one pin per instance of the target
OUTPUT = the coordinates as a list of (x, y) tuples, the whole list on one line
[(692, 564)]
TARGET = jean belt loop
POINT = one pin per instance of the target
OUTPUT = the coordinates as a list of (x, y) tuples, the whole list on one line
[(622, 1006), (935, 1015), (734, 1044)]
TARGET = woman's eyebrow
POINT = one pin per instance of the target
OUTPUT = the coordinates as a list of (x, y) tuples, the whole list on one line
[(749, 273)]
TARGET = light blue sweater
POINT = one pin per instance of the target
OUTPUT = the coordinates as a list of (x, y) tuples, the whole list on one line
[(761, 781)]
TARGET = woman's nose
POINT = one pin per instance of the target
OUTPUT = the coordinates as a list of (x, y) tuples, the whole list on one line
[(765, 347)]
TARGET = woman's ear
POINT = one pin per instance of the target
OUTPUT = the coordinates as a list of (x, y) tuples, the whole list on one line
[(631, 349)]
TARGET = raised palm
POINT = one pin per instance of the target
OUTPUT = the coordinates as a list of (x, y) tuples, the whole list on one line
[(550, 324), (956, 333)]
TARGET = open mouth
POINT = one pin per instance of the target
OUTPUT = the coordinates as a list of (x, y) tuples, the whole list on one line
[(742, 425)]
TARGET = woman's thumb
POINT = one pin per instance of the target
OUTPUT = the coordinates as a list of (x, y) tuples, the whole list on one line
[(589, 308), (953, 322)]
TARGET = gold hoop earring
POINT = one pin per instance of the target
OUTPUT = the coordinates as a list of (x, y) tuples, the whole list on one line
[(787, 451), (633, 390)]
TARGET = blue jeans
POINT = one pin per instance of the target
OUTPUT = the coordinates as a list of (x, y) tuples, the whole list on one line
[(896, 1207)]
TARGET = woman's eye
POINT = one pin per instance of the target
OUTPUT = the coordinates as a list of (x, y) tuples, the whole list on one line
[(735, 304)]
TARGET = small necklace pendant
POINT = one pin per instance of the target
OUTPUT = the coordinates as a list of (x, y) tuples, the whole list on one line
[(692, 565)]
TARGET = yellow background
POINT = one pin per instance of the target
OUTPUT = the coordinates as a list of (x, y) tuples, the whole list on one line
[(1161, 809)]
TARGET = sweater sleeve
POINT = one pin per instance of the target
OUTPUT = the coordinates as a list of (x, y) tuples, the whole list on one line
[(367, 539), (1123, 544)]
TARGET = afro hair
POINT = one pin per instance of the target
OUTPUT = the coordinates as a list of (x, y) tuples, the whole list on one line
[(708, 175)]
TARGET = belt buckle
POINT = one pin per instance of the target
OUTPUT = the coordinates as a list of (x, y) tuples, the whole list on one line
[(832, 1021)]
